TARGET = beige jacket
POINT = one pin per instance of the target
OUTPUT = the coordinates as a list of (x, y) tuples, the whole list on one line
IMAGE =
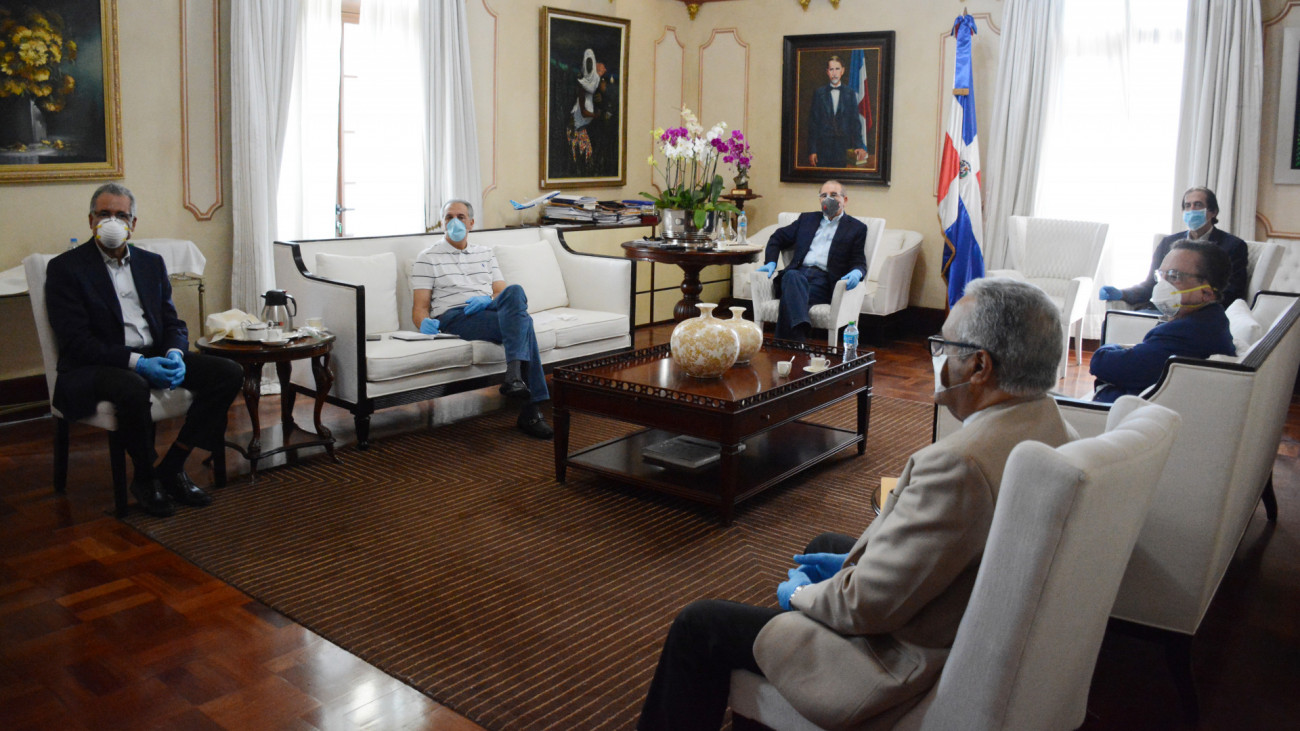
[(875, 635)]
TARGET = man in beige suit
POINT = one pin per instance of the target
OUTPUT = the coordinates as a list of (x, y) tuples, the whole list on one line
[(873, 620)]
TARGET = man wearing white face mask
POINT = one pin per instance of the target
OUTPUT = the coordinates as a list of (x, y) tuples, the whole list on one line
[(457, 288), (873, 619), (1200, 213), (111, 310), (1187, 289)]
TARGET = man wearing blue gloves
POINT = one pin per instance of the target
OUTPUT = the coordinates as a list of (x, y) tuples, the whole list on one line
[(110, 306), (457, 288), (1200, 213), (828, 246), (869, 623)]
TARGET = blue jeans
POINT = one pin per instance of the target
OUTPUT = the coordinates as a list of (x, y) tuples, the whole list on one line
[(801, 289), (505, 322)]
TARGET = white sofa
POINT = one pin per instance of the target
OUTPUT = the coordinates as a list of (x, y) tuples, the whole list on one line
[(1233, 411), (581, 306)]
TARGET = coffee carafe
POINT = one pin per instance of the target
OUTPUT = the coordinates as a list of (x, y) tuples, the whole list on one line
[(279, 309)]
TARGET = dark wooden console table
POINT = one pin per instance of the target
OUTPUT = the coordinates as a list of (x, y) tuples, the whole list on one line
[(753, 413)]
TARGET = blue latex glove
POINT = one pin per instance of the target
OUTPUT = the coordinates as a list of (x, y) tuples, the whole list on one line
[(854, 278), (159, 372), (1110, 294), (175, 356), (785, 589), (429, 326), (768, 268), (820, 566), (477, 304)]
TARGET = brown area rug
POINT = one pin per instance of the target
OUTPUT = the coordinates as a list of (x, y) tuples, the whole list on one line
[(451, 558)]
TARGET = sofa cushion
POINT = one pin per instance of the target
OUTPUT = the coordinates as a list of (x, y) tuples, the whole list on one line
[(378, 274), (572, 326), (1243, 325), (388, 359), (533, 267)]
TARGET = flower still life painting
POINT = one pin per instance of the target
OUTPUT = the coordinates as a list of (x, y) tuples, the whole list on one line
[(59, 112)]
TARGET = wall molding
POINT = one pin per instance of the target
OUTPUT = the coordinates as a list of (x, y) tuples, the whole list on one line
[(699, 100), (496, 22), (1270, 232), (1282, 13), (195, 142)]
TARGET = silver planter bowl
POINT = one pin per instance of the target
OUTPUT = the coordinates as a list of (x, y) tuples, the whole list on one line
[(679, 225)]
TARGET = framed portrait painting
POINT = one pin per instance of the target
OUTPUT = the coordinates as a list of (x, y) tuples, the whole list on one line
[(59, 112), (583, 100), (837, 107)]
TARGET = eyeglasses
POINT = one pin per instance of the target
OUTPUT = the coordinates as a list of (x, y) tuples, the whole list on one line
[(1175, 277), (824, 196), (937, 344), (123, 216)]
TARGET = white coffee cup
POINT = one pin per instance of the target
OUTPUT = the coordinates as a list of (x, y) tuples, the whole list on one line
[(254, 331), (274, 335), (817, 362), (316, 323), (783, 368)]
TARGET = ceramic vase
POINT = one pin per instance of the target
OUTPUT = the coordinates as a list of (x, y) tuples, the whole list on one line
[(704, 346), (749, 332)]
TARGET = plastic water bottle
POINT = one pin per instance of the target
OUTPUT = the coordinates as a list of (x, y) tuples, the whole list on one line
[(851, 341), (742, 228), (72, 243)]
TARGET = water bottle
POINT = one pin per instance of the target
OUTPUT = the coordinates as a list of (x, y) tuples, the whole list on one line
[(742, 228), (72, 243), (851, 341)]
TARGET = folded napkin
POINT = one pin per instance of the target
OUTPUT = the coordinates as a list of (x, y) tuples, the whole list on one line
[(228, 324)]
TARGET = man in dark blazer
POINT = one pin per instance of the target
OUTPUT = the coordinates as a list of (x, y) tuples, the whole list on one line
[(833, 126), (110, 306), (829, 245), (1200, 213)]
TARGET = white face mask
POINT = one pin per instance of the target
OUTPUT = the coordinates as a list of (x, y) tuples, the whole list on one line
[(1169, 300), (938, 361), (112, 233)]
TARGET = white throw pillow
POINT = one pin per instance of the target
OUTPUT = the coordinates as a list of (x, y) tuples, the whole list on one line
[(1244, 327), (533, 267), (378, 274)]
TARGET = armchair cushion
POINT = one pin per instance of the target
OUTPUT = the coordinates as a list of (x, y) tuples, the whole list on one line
[(533, 267), (378, 274), (1245, 329)]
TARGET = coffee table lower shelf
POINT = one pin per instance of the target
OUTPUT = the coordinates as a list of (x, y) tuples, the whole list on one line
[(767, 459)]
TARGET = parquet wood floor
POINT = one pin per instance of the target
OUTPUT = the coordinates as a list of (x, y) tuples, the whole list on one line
[(101, 628)]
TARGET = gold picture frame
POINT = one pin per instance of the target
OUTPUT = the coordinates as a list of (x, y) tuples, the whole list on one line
[(66, 122), (583, 99)]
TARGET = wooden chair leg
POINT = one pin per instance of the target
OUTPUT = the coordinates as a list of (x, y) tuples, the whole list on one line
[(1270, 500), (60, 455), (117, 462)]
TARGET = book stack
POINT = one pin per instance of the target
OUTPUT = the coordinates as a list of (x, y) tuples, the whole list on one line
[(586, 209)]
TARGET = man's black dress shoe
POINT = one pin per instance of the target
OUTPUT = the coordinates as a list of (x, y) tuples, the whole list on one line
[(516, 390), (149, 494), (184, 491), (532, 423)]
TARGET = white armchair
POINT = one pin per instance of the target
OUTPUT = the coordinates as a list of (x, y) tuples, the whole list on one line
[(1264, 271), (1065, 525), (1061, 257), (889, 272), (845, 305)]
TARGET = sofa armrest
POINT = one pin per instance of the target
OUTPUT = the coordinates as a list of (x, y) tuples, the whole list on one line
[(1122, 327), (894, 282), (341, 306), (596, 282)]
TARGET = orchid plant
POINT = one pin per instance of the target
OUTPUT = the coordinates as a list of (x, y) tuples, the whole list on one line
[(690, 170), (736, 152)]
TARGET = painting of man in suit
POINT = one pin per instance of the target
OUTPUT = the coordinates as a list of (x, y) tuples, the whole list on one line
[(834, 129)]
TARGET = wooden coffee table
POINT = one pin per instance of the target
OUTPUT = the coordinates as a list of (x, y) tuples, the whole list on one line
[(753, 413)]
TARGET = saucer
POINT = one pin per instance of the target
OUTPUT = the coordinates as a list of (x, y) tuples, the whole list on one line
[(282, 341), (815, 369)]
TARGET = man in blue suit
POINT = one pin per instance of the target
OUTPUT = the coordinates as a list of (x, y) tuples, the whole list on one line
[(833, 126), (828, 246), (110, 306), (1191, 278)]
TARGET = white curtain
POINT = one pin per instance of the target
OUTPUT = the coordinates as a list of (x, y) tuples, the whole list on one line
[(264, 37), (1218, 136), (1027, 75), (451, 137), (1109, 147), (385, 153), (309, 167)]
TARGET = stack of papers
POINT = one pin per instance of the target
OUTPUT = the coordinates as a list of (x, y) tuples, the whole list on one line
[(586, 209)]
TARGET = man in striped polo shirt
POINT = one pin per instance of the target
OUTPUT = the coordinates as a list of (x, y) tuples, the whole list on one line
[(458, 289)]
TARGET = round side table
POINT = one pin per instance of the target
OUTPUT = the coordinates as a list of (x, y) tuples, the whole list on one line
[(691, 260), (252, 356)]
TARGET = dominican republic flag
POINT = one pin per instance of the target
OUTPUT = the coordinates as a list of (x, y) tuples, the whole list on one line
[(960, 213), (858, 83)]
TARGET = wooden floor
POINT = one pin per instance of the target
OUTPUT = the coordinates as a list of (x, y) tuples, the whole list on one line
[(102, 628)]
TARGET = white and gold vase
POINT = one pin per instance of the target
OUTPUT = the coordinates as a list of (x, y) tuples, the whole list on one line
[(749, 332), (704, 346)]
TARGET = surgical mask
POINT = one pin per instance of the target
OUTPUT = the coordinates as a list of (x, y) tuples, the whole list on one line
[(831, 207), (939, 361), (1194, 219), (112, 233), (1169, 300), (456, 230)]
